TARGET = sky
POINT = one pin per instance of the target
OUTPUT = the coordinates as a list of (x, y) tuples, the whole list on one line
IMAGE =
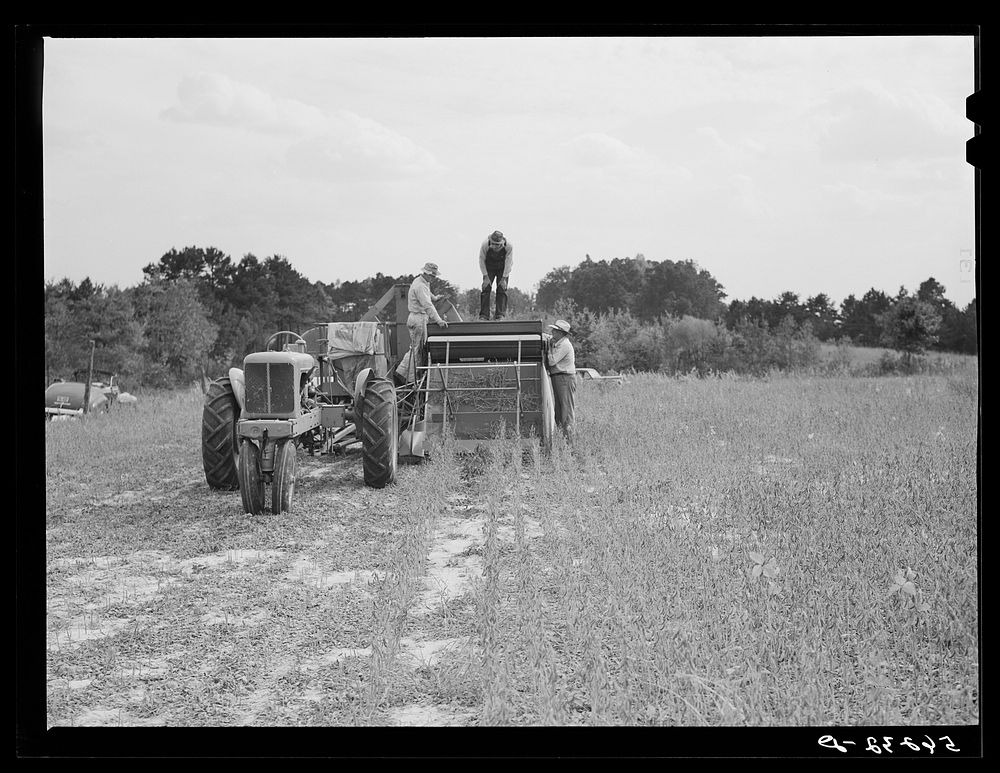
[(818, 164)]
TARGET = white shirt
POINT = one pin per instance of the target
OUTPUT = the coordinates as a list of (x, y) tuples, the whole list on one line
[(420, 301), (562, 357)]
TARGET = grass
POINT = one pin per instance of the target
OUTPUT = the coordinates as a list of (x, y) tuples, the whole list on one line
[(755, 529), (848, 360), (792, 551)]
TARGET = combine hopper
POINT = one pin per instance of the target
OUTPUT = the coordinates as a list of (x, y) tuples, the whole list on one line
[(478, 379)]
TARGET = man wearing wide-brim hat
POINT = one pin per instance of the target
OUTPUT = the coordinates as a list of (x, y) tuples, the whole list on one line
[(562, 369), (420, 303)]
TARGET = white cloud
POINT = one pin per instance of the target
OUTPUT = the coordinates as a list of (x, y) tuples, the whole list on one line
[(352, 146), (217, 100), (337, 143), (73, 139), (748, 196), (601, 167), (744, 148), (596, 149), (866, 123), (868, 200)]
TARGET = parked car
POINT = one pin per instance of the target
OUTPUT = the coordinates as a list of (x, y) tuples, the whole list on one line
[(65, 398), (589, 374)]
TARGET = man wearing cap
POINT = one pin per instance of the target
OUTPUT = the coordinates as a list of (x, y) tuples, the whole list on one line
[(496, 257), (420, 303), (562, 369)]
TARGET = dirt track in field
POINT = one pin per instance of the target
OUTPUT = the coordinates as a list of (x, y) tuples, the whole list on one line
[(216, 617)]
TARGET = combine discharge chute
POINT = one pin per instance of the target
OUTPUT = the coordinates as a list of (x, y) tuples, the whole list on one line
[(343, 384)]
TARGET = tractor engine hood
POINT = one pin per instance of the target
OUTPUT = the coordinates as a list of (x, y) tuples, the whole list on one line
[(274, 382), (299, 360)]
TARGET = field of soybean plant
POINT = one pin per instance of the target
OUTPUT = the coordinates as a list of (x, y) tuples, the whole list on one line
[(791, 551)]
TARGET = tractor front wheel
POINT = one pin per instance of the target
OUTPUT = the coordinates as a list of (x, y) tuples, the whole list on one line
[(283, 479), (379, 433), (250, 478), (219, 443)]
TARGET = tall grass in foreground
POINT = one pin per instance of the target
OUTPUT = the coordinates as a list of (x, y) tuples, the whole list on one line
[(721, 552)]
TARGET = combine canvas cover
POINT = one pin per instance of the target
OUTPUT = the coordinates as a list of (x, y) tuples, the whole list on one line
[(354, 346), (349, 339)]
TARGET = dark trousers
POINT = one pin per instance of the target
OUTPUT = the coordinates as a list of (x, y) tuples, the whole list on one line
[(494, 273), (564, 397)]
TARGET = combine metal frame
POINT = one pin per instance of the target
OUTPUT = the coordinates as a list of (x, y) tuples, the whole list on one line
[(495, 346)]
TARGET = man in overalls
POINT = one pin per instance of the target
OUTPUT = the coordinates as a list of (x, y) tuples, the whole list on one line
[(496, 257)]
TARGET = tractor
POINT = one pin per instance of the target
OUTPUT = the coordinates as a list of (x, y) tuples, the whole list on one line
[(342, 384)]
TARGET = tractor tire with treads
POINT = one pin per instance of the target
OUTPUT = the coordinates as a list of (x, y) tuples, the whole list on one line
[(283, 477), (379, 433), (250, 478), (219, 443)]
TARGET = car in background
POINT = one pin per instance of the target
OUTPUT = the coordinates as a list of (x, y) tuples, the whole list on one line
[(589, 374), (64, 399)]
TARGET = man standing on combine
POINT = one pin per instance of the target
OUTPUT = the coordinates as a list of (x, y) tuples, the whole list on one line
[(420, 303), (562, 369), (496, 257)]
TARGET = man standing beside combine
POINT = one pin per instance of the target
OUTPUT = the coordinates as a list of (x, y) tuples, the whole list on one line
[(496, 257), (420, 304), (562, 369)]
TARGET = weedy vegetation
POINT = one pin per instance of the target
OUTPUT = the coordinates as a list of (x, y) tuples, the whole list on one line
[(709, 552)]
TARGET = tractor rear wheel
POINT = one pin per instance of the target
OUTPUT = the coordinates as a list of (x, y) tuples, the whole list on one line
[(379, 433), (250, 478), (283, 478), (219, 443)]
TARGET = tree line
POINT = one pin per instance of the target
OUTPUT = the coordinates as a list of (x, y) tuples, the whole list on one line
[(197, 312), (655, 290)]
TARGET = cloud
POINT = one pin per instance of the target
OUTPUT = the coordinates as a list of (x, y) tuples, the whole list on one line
[(598, 159), (217, 100), (596, 149), (747, 195), (744, 148), (849, 196), (356, 147), (63, 138), (866, 124), (336, 144)]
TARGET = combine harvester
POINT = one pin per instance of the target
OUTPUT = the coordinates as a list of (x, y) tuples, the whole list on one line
[(481, 378), (345, 383)]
